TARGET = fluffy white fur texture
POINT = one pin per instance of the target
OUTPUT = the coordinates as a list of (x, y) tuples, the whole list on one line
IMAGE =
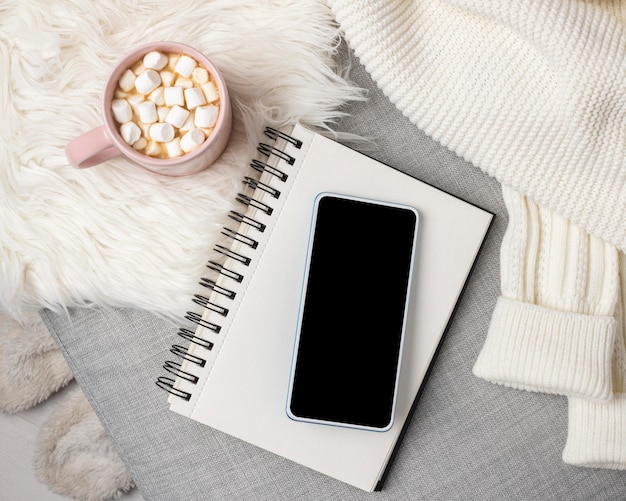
[(75, 458), (31, 365), (116, 234)]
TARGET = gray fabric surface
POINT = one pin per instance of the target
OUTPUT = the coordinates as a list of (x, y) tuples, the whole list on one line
[(468, 439)]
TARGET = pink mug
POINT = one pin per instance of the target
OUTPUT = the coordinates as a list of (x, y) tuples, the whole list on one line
[(105, 142)]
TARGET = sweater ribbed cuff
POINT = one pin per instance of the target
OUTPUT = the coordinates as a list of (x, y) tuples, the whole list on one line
[(533, 348), (596, 435)]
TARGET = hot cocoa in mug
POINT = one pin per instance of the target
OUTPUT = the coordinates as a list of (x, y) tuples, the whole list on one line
[(165, 107)]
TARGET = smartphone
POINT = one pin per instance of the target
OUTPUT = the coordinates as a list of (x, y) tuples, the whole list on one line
[(353, 312)]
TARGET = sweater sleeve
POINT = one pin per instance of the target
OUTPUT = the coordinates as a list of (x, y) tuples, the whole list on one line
[(531, 92), (596, 431), (553, 327)]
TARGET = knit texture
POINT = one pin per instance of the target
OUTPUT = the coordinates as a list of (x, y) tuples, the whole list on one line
[(596, 434), (553, 328), (532, 348), (531, 92)]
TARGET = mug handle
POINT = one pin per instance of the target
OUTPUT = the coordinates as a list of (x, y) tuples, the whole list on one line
[(91, 148)]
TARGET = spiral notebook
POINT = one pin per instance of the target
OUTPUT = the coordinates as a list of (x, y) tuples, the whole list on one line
[(232, 370)]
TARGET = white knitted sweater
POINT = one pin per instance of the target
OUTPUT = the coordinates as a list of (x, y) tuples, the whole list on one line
[(532, 92)]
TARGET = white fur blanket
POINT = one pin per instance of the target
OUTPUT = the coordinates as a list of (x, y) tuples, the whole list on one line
[(116, 234)]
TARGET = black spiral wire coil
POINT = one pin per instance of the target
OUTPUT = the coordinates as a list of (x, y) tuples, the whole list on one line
[(175, 368)]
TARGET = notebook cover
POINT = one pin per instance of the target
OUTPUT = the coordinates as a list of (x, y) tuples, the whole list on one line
[(242, 389)]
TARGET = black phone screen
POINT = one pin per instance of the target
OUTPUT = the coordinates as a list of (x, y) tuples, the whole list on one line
[(353, 312)]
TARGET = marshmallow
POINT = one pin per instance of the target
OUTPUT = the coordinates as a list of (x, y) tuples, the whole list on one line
[(134, 101), (177, 116), (153, 149), (145, 129), (210, 92), (138, 68), (162, 111), (185, 66), (155, 60), (147, 112), (121, 110), (127, 81), (191, 140), (140, 144), (167, 78), (206, 116), (188, 125), (173, 148), (174, 96), (173, 59), (200, 75), (157, 96), (167, 105), (162, 133), (194, 98), (183, 82), (130, 132), (147, 82)]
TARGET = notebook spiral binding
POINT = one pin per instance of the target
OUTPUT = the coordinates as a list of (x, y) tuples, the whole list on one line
[(268, 151)]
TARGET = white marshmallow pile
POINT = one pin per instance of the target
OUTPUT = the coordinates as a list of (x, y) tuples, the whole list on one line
[(166, 105)]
